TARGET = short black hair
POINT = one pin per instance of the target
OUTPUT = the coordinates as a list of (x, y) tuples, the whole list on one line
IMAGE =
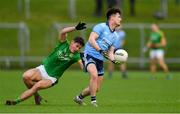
[(112, 11), (79, 40)]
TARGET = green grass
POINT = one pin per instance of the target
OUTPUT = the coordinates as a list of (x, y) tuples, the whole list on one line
[(136, 94)]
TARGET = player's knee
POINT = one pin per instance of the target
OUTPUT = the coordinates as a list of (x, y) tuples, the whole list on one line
[(37, 87), (26, 77), (94, 77)]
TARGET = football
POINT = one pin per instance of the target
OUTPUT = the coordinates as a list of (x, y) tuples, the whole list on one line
[(121, 55)]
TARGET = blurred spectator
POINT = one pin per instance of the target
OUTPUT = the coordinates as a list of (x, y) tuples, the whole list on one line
[(156, 44), (132, 7), (177, 2), (119, 44), (110, 4), (98, 7), (114, 3)]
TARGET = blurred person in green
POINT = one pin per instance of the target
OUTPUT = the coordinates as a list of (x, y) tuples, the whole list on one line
[(118, 45), (59, 60), (156, 44)]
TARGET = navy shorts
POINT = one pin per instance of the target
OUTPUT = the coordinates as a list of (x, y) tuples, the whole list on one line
[(88, 59)]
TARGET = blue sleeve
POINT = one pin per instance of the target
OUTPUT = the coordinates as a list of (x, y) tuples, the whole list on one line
[(98, 29), (123, 35), (120, 38), (116, 44)]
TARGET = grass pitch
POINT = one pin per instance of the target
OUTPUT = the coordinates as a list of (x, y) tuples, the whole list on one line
[(136, 94)]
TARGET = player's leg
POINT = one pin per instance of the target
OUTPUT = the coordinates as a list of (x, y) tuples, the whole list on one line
[(99, 83), (92, 88), (153, 68), (100, 72), (30, 77), (110, 69), (42, 84), (164, 67), (79, 98), (90, 66), (153, 56), (93, 80), (86, 92), (123, 70)]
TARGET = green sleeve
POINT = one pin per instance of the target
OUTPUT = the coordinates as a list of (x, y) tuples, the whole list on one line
[(77, 57)]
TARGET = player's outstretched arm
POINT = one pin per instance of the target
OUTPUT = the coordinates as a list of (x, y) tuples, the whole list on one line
[(80, 64), (64, 31)]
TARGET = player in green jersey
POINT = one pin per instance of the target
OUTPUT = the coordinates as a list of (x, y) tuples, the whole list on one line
[(156, 44), (53, 67)]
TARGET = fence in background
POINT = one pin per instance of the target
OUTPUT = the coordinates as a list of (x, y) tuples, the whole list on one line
[(26, 7), (141, 59), (23, 42)]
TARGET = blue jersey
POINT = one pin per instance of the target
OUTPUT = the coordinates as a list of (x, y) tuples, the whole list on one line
[(120, 38), (106, 39)]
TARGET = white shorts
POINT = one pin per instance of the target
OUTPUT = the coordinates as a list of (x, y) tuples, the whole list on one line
[(158, 53), (44, 74)]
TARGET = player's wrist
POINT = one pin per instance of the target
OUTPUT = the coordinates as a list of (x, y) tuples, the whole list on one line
[(100, 50)]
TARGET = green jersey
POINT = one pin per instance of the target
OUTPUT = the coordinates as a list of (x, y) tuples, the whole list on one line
[(60, 59), (155, 37)]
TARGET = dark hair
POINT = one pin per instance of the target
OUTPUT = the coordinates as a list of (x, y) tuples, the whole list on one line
[(79, 40), (112, 11)]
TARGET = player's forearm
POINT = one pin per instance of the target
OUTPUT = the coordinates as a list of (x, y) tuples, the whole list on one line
[(63, 33), (94, 44), (148, 45), (67, 30), (80, 64), (111, 55), (160, 45)]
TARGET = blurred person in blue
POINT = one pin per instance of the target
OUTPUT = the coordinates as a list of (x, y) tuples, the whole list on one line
[(101, 40), (156, 44), (118, 45)]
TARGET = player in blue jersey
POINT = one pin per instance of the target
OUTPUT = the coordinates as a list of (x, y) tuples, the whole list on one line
[(118, 44), (101, 40)]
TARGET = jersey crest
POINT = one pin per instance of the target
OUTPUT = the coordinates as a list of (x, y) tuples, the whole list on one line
[(63, 55)]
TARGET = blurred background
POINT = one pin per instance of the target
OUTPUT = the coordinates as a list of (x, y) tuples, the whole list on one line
[(29, 32), (29, 28)]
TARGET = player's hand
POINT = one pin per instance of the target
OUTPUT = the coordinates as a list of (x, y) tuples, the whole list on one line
[(80, 26), (116, 62), (153, 46), (104, 53)]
